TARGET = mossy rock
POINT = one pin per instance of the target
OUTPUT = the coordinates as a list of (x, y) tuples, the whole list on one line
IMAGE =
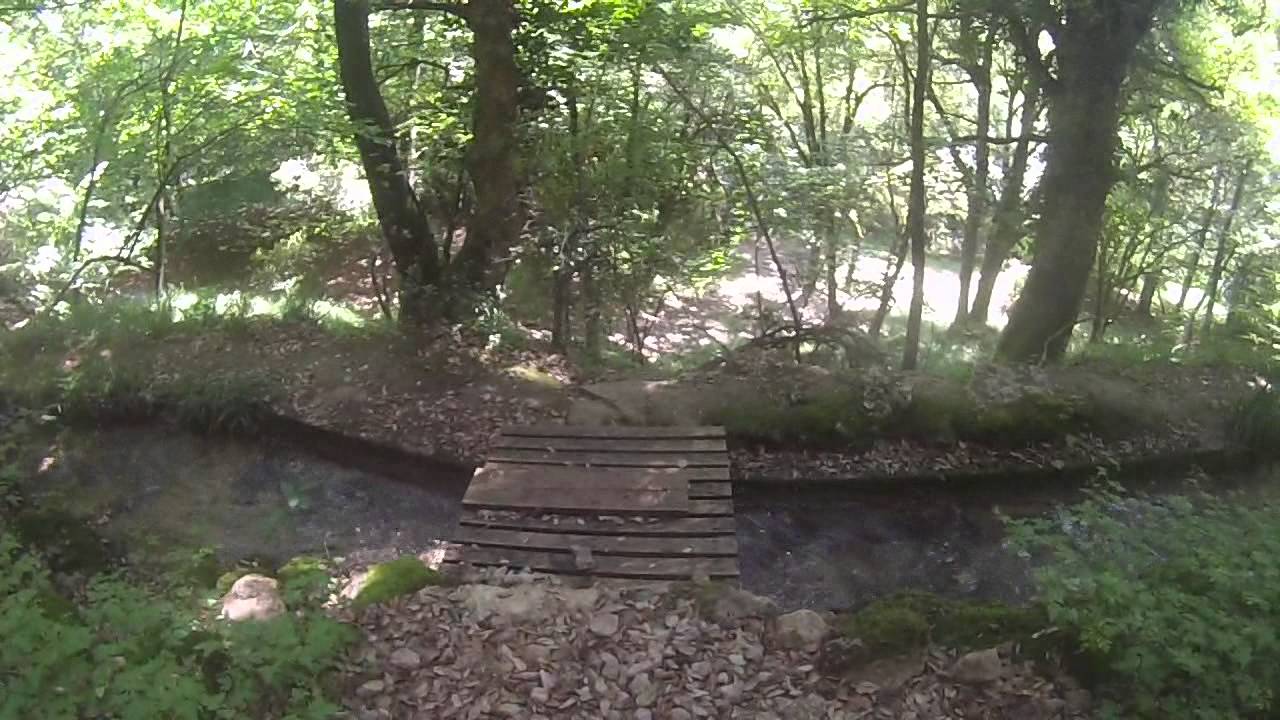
[(390, 580), (908, 621)]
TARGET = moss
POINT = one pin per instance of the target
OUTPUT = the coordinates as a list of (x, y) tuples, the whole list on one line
[(1031, 418), (907, 621), (888, 627), (833, 418), (936, 412), (393, 579)]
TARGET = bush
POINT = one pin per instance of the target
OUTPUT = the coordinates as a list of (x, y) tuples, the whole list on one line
[(390, 580), (128, 653), (1255, 421), (1173, 603)]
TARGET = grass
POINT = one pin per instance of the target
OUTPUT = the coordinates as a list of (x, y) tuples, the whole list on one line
[(909, 621)]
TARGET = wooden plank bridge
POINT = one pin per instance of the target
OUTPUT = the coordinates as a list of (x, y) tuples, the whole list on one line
[(618, 502)]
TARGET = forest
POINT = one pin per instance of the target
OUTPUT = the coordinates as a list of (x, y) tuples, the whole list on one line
[(985, 295)]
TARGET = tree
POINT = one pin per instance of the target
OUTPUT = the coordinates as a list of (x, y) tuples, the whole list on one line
[(916, 205), (435, 283), (1094, 47)]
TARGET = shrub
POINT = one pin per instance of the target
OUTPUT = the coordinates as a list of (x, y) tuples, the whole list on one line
[(129, 653), (390, 580), (1255, 421), (306, 581), (1173, 602)]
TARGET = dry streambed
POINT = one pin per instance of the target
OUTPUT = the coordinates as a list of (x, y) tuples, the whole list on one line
[(526, 647)]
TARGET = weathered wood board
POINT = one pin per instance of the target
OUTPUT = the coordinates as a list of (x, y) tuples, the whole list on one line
[(618, 502)]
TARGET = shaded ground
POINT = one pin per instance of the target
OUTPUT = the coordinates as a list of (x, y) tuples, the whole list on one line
[(155, 489), (823, 551)]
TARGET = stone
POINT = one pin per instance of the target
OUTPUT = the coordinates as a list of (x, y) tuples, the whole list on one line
[(644, 714), (604, 624), (801, 630), (841, 654), (405, 659), (253, 597), (729, 606), (978, 667), (890, 673), (371, 688), (539, 695), (680, 714)]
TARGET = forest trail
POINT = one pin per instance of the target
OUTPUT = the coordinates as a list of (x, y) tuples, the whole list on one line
[(645, 503)]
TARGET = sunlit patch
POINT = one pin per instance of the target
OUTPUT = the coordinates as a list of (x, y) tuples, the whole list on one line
[(434, 558), (47, 463)]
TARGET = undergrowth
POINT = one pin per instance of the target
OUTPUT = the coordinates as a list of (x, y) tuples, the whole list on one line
[(1171, 602), (129, 652)]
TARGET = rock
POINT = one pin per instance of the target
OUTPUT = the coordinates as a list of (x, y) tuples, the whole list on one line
[(976, 668), (890, 673), (518, 604), (253, 597), (680, 714), (728, 605), (604, 624), (371, 688), (841, 654), (539, 696), (644, 714), (801, 630), (405, 659)]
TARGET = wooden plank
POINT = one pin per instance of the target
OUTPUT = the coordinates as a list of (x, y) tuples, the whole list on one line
[(719, 546), (573, 475), (629, 445), (602, 566), (612, 431), (622, 502), (709, 508), (586, 525), (709, 490), (609, 459), (574, 479)]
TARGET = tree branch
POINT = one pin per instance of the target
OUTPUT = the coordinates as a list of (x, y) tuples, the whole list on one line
[(455, 9)]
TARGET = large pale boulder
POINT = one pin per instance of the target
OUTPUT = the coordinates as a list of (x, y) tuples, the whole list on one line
[(801, 630), (253, 597)]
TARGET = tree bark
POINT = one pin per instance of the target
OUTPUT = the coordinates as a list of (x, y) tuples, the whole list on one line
[(1095, 47), (498, 218), (1006, 226), (1202, 237), (916, 207), (404, 226), (977, 211), (1224, 250)]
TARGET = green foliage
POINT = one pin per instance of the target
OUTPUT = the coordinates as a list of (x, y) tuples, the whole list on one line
[(130, 653), (908, 621), (390, 580), (66, 542), (1030, 418), (1172, 601), (1255, 421), (306, 581)]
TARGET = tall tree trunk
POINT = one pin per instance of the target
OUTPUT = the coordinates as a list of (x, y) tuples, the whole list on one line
[(592, 313), (1202, 237), (916, 201), (404, 226), (1150, 284), (832, 261), (887, 284), (1006, 226), (977, 210), (1095, 48), (498, 218), (1224, 250)]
